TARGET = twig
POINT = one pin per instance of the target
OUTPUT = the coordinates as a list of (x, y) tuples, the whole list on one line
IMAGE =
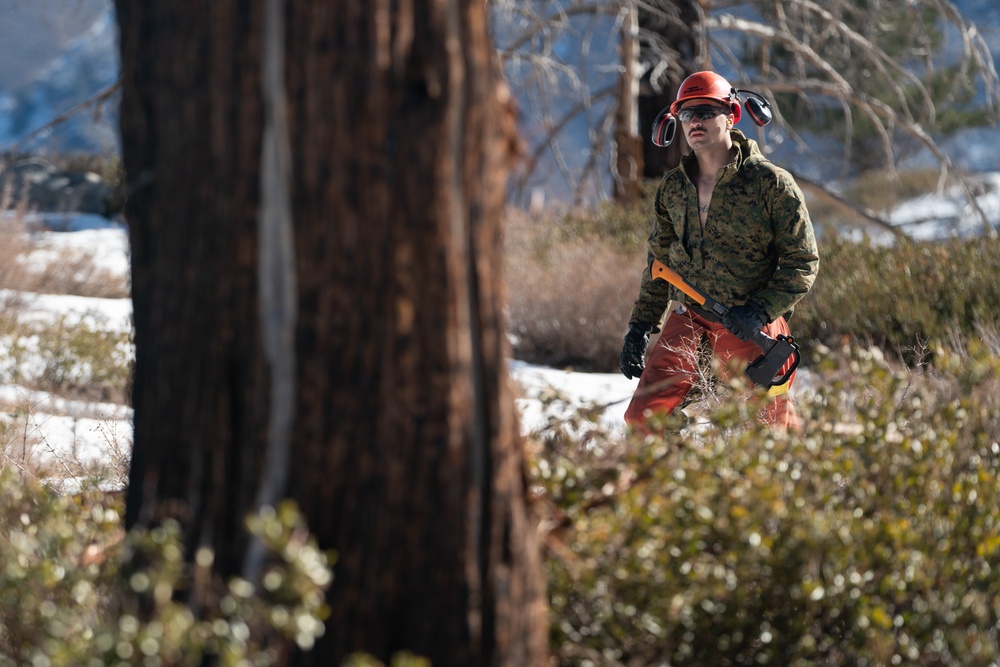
[(100, 97)]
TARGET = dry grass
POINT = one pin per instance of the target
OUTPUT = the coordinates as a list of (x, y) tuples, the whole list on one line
[(568, 297), (14, 245), (572, 279), (24, 447), (69, 360), (97, 454), (78, 274), (74, 272)]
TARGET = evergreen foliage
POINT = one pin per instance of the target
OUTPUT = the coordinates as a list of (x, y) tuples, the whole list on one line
[(903, 295)]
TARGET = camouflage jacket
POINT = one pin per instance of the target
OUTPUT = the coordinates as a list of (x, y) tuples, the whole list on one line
[(758, 242)]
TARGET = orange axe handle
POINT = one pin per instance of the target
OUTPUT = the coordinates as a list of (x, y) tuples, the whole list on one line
[(661, 270)]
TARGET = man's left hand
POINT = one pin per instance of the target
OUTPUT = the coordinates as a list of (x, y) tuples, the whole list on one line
[(746, 320)]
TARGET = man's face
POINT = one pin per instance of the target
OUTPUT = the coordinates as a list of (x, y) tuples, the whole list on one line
[(704, 121)]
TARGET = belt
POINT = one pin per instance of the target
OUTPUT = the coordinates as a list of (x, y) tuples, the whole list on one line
[(702, 313)]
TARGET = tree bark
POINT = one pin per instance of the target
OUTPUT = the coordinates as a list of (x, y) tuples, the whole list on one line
[(628, 144), (404, 452), (682, 38), (190, 120)]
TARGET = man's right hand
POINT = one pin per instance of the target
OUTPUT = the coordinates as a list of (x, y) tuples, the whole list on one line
[(634, 350), (746, 320)]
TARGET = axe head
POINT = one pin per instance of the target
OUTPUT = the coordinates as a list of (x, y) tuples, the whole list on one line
[(765, 371)]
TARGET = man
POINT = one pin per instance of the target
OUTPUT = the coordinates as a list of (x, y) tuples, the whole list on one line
[(735, 226)]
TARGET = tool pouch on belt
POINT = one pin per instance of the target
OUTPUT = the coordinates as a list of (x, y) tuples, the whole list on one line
[(766, 369)]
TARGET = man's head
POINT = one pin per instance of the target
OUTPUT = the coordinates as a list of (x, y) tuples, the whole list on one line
[(708, 88)]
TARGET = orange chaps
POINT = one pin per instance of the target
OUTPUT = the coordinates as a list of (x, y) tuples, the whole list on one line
[(672, 368)]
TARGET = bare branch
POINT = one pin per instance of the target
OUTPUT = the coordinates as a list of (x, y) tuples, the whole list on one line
[(98, 99), (855, 211), (881, 111)]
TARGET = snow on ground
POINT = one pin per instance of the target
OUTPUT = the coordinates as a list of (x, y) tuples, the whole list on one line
[(47, 432), (50, 429), (107, 246), (573, 390), (933, 216), (48, 439), (44, 402), (114, 315), (58, 437)]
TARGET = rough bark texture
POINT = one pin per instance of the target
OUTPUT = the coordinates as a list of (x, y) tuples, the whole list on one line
[(189, 112), (405, 455), (405, 439)]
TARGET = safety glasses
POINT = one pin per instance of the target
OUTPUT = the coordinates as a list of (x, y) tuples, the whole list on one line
[(701, 112)]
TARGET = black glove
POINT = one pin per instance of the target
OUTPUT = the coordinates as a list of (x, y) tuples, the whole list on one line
[(633, 359), (746, 320)]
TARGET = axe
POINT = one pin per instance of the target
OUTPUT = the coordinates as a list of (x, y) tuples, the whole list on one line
[(764, 370)]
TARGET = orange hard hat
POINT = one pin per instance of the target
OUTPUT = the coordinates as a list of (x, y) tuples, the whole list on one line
[(707, 85)]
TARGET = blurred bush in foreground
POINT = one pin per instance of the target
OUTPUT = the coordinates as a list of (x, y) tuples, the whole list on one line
[(64, 595), (77, 591), (872, 538)]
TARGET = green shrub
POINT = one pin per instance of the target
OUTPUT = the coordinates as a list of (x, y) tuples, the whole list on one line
[(899, 296), (49, 592), (871, 538), (76, 590), (69, 357), (401, 659)]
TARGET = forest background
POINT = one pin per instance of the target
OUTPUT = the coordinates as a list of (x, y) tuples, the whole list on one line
[(872, 540)]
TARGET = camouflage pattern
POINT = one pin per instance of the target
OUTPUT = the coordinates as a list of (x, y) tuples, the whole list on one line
[(758, 242)]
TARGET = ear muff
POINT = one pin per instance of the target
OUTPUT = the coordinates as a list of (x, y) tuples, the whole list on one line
[(664, 128), (757, 107), (759, 111)]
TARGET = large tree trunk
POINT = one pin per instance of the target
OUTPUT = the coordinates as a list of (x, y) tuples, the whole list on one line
[(404, 452)]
